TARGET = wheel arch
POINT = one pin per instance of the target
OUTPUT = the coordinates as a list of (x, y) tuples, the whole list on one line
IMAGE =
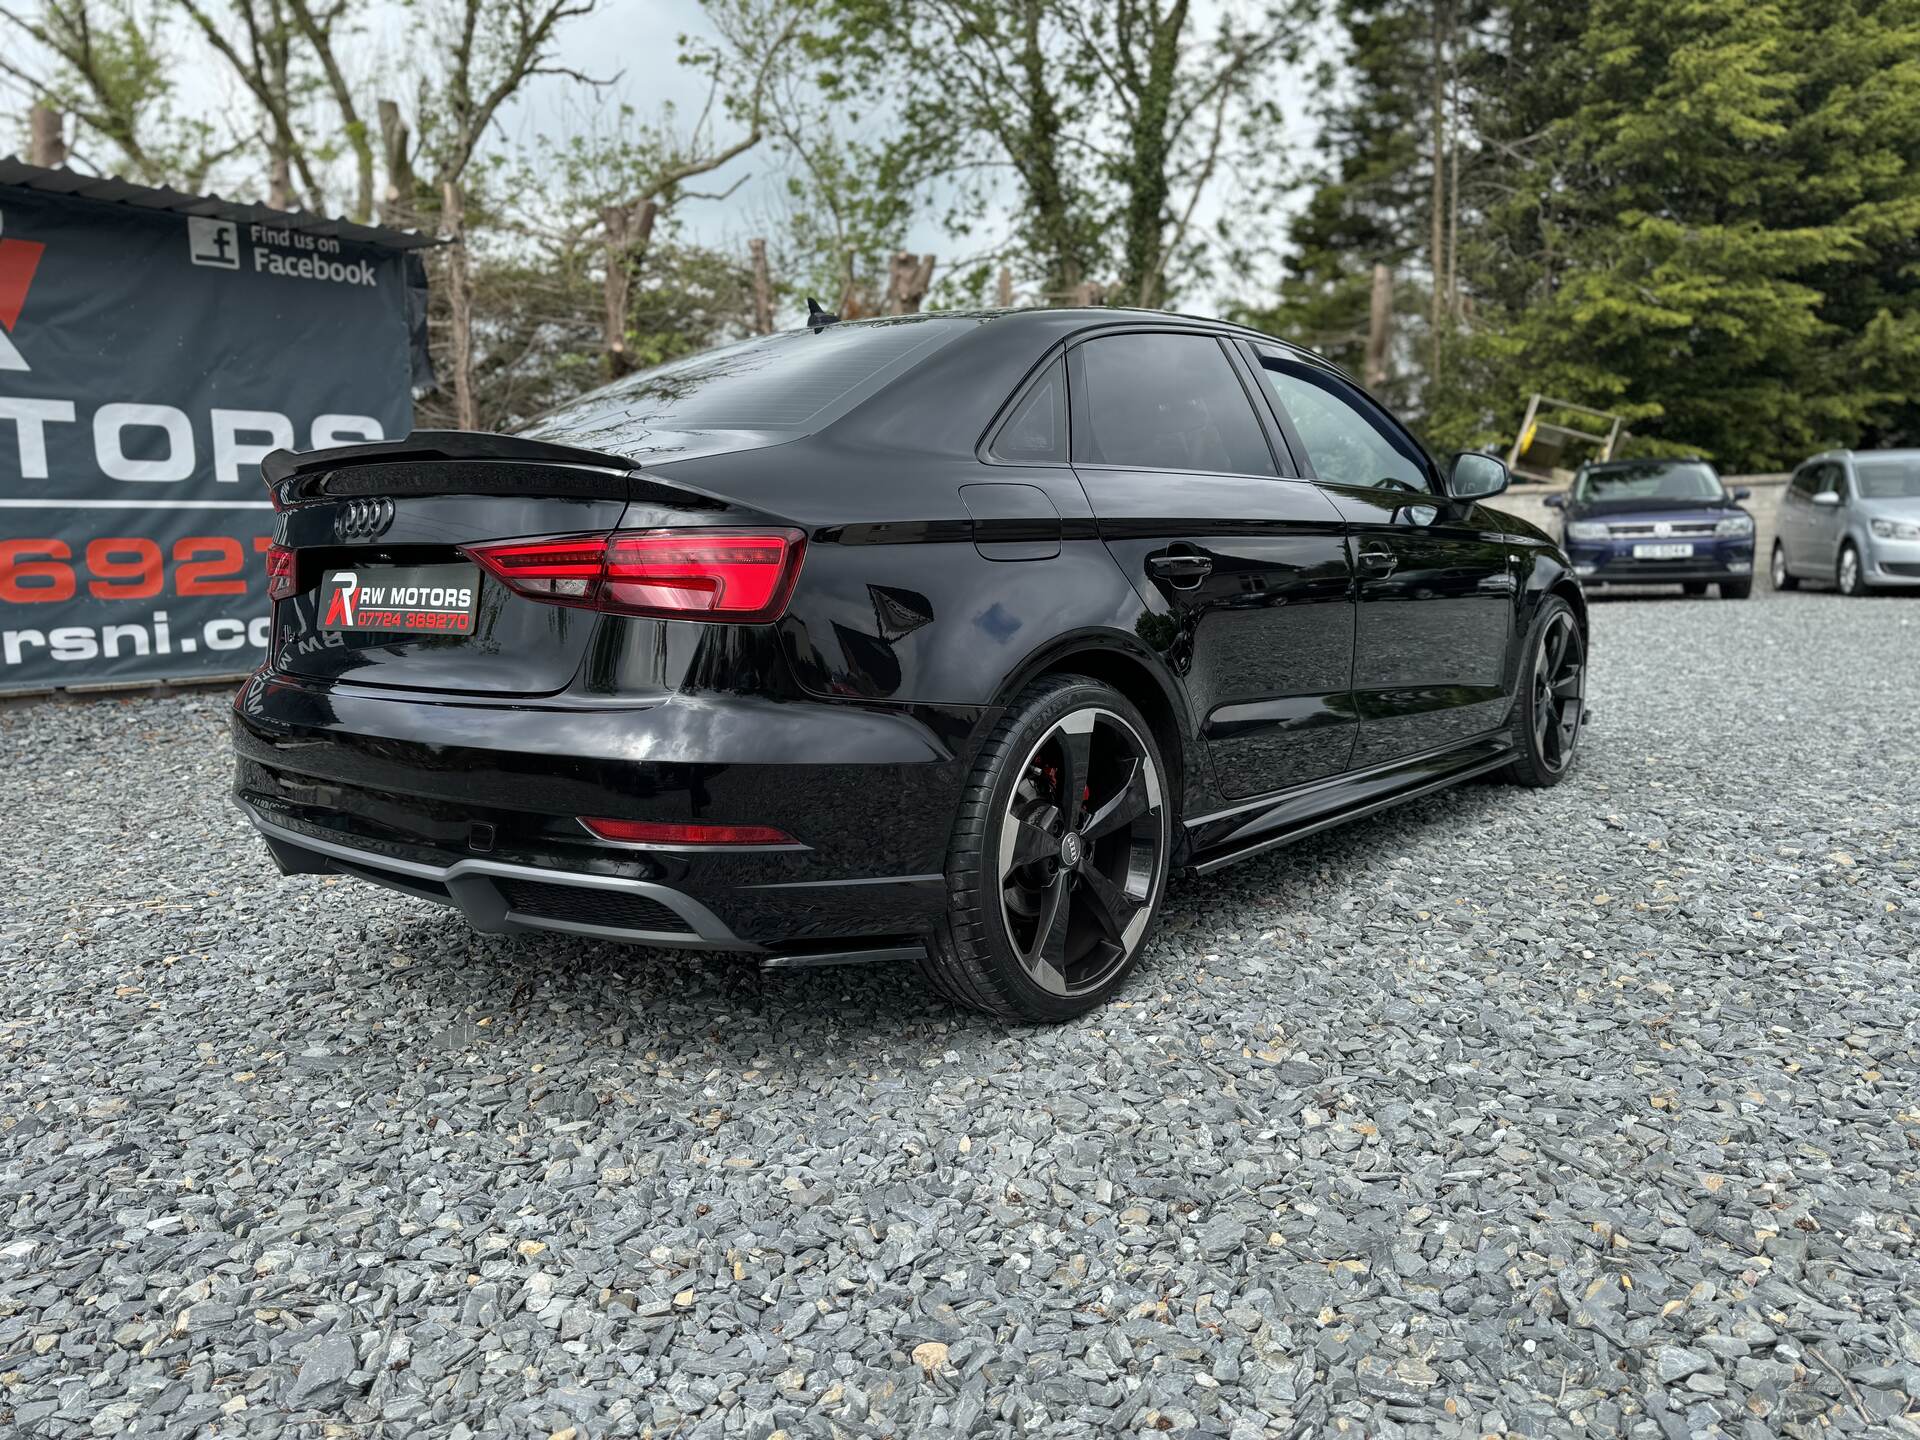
[(1568, 589), (1121, 662)]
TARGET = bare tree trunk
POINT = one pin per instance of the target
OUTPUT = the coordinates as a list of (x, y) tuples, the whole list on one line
[(1453, 186), (279, 182), (1438, 201), (1090, 293), (762, 289), (1379, 327), (1004, 294), (908, 279), (629, 232), (48, 146), (453, 216), (396, 145)]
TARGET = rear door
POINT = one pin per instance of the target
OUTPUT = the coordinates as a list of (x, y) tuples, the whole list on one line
[(1434, 584), (1243, 567)]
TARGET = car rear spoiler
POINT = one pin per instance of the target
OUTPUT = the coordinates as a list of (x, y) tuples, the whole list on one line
[(283, 465)]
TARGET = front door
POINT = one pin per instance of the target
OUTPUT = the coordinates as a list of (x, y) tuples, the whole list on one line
[(1826, 520), (1244, 571), (1794, 515), (1434, 583)]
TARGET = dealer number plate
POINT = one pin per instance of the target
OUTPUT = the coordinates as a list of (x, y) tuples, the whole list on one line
[(406, 599), (1663, 552)]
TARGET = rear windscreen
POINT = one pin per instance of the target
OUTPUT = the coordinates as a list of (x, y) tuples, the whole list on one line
[(794, 382)]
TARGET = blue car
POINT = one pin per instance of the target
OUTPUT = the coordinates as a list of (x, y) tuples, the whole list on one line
[(1657, 522)]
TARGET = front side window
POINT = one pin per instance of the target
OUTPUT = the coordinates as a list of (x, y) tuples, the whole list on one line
[(1888, 477), (1803, 482), (1650, 480), (1166, 402), (1829, 481), (1347, 440)]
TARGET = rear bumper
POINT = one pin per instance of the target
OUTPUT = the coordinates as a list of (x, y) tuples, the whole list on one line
[(476, 806)]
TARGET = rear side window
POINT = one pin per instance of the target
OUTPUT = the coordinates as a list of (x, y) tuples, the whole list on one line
[(794, 382), (1166, 402), (1036, 432)]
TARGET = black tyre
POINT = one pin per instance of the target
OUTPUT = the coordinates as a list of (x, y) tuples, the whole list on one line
[(1550, 712), (1849, 576), (1058, 859), (1783, 578), (1735, 589), (1695, 587)]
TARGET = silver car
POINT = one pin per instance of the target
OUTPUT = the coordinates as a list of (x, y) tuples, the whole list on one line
[(1851, 517)]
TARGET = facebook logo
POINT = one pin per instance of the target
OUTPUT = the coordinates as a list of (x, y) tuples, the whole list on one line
[(213, 242)]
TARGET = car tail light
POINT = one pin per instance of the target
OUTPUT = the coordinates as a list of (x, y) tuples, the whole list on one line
[(735, 575), (657, 832), (279, 573)]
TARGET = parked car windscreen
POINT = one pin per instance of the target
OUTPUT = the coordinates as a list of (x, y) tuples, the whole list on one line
[(1655, 480), (1888, 477), (793, 382)]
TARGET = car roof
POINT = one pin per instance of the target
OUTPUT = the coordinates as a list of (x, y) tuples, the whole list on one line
[(1645, 460), (1067, 320)]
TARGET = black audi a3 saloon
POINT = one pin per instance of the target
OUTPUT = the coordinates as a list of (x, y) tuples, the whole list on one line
[(944, 638)]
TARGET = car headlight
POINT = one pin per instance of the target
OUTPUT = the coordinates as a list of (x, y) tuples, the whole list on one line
[(1896, 529), (1586, 529), (1735, 525)]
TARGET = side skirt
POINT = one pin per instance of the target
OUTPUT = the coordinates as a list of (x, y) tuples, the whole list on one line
[(1220, 839)]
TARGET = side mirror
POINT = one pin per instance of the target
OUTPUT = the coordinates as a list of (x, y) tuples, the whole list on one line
[(1555, 501), (1741, 492), (1826, 497), (1474, 476)]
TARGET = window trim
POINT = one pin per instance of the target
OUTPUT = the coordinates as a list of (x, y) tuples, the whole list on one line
[(1266, 350), (1078, 420), (1003, 417)]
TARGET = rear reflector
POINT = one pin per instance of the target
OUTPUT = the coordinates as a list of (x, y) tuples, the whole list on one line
[(656, 832), (279, 573), (740, 576)]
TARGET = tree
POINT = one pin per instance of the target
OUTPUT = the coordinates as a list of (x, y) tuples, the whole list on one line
[(1712, 228), (655, 165), (109, 65), (493, 48), (1388, 192), (1111, 118)]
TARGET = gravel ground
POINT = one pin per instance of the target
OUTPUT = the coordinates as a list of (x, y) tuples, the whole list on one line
[(1589, 1111)]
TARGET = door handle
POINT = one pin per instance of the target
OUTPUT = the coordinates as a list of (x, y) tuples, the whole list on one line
[(1376, 562), (1182, 570)]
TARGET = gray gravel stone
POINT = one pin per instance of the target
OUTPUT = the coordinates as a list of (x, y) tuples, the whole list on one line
[(1583, 1112)]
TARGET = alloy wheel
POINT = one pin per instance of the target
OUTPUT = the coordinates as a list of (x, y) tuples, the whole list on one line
[(1779, 568), (1849, 571), (1081, 851), (1559, 691)]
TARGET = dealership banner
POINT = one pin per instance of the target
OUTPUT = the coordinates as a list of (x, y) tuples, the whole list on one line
[(148, 361)]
